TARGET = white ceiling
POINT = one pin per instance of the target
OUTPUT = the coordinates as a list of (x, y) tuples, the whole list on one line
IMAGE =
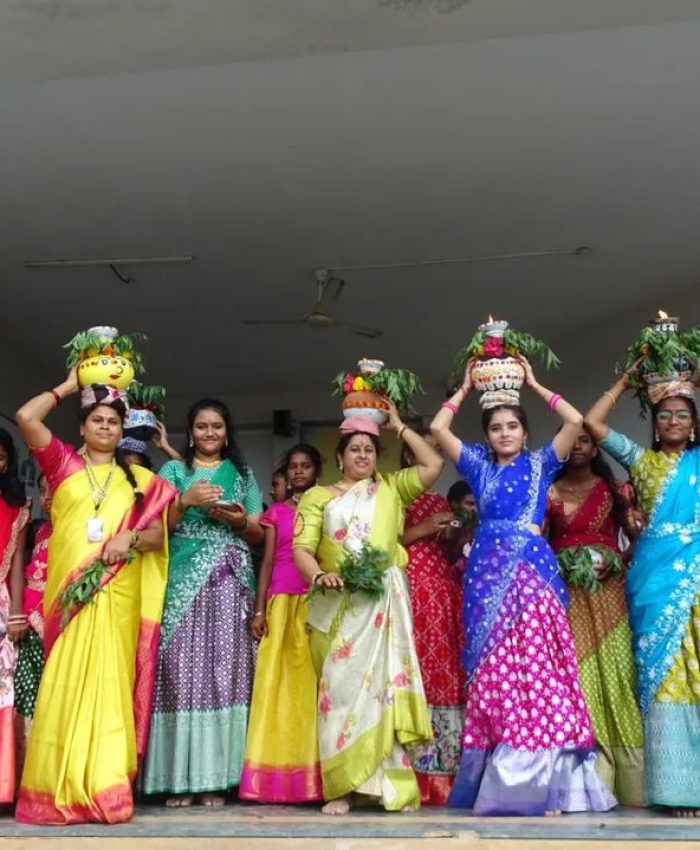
[(268, 138)]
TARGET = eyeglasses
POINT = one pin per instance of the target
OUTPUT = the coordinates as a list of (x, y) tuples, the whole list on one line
[(668, 415)]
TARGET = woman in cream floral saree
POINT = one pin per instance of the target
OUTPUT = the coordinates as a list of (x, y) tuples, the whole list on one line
[(371, 702)]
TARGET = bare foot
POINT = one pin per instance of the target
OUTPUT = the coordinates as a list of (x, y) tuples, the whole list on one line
[(180, 801), (685, 813), (409, 808), (552, 813), (341, 806), (212, 801)]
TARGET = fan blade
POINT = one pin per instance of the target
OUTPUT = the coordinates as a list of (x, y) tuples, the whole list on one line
[(338, 285), (369, 333), (273, 321)]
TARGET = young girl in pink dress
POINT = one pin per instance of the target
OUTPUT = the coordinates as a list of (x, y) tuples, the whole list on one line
[(281, 757)]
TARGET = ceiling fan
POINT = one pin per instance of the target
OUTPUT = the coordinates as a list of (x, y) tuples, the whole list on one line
[(319, 319)]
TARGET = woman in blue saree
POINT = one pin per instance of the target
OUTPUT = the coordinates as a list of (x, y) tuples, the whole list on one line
[(527, 742), (663, 583)]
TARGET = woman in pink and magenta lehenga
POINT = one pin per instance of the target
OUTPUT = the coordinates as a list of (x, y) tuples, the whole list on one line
[(527, 745)]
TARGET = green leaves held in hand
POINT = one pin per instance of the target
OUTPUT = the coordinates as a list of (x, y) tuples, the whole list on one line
[(576, 566), (84, 587), (362, 573)]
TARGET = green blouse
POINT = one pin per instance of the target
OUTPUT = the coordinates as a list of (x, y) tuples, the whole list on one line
[(395, 491)]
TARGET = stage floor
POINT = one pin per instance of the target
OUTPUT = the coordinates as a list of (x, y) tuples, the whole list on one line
[(245, 826)]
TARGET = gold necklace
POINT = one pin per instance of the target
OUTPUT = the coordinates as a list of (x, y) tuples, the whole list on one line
[(206, 464), (579, 494)]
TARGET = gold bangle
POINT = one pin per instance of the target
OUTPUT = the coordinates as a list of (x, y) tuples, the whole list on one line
[(614, 400)]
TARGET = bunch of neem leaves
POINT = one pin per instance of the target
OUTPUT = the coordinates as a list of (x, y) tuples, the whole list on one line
[(148, 398), (512, 344), (362, 573), (86, 585), (661, 352), (398, 385), (88, 344)]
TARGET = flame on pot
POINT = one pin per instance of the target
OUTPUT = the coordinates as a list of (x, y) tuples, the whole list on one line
[(663, 315), (490, 319)]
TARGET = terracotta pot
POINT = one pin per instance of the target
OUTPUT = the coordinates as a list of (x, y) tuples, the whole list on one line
[(365, 403), (497, 373)]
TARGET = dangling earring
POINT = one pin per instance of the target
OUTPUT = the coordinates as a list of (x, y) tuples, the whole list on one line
[(656, 436), (226, 442), (525, 444), (692, 436), (191, 443), (340, 465)]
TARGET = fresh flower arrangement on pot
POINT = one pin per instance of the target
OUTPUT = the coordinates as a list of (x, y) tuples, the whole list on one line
[(497, 372), (364, 393), (104, 357), (665, 356), (145, 411)]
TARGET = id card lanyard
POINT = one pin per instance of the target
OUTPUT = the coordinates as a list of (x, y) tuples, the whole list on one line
[(95, 527)]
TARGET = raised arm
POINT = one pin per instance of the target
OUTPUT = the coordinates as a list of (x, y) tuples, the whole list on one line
[(30, 417), (571, 418), (442, 421), (160, 441), (427, 461), (596, 418)]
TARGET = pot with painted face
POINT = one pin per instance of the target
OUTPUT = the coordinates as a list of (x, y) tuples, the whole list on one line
[(109, 369), (102, 357)]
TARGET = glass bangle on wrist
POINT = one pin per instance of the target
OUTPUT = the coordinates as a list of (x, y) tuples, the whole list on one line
[(316, 577)]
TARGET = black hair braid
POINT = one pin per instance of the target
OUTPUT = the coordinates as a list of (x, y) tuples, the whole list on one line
[(126, 469), (11, 485)]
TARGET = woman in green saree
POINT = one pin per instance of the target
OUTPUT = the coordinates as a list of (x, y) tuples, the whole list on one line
[(371, 701)]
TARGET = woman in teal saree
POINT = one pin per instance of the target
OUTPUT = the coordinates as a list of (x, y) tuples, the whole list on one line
[(663, 590), (206, 656)]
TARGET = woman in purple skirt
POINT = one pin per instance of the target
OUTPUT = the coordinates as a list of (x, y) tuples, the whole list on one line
[(206, 656)]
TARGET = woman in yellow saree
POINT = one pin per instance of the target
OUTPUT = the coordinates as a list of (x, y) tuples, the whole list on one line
[(371, 701), (93, 706)]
